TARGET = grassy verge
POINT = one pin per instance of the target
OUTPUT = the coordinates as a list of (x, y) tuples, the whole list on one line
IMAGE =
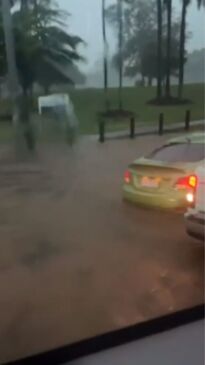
[(88, 102), (6, 132)]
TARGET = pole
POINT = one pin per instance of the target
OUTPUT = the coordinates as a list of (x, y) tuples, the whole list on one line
[(120, 51), (101, 131), (132, 127), (159, 49), (187, 120), (168, 51), (182, 49), (11, 59), (161, 124), (105, 55)]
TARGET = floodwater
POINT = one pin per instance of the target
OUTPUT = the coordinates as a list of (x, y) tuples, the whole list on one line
[(76, 261)]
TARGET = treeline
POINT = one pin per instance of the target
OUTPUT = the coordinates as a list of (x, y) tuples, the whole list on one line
[(154, 42)]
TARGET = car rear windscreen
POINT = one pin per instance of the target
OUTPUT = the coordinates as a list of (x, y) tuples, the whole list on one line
[(181, 152)]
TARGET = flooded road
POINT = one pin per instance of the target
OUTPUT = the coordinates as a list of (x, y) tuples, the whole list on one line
[(75, 261)]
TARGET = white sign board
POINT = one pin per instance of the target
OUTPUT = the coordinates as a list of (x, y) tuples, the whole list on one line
[(52, 101), (59, 101)]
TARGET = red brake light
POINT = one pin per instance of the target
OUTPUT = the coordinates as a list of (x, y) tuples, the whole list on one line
[(187, 182), (127, 177)]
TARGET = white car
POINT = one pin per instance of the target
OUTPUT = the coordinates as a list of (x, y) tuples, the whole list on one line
[(195, 216)]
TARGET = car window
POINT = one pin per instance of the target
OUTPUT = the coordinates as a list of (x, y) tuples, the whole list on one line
[(184, 152)]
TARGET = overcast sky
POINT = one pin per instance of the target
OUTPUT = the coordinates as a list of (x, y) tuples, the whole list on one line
[(86, 22)]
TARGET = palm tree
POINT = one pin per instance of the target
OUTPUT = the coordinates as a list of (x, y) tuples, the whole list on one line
[(120, 20), (168, 4), (105, 54), (200, 3), (185, 4), (159, 49), (42, 44), (11, 58), (24, 5)]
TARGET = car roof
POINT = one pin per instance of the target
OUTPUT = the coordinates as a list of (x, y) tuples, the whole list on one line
[(197, 137)]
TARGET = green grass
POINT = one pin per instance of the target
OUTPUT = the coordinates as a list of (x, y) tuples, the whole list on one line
[(88, 102), (6, 132)]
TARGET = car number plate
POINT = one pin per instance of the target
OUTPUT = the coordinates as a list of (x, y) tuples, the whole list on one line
[(149, 182)]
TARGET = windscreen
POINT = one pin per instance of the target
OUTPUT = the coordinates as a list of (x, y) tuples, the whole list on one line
[(89, 245)]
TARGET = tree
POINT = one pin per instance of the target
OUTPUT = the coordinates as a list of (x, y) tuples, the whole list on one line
[(118, 15), (185, 4), (105, 70), (52, 45), (120, 50), (168, 4), (140, 40), (42, 42), (200, 3), (159, 49), (42, 48), (9, 54), (139, 24)]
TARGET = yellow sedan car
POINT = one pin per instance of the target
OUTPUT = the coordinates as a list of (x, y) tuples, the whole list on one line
[(166, 178)]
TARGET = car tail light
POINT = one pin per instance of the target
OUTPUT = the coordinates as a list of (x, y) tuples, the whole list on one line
[(190, 198), (187, 182), (127, 177)]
